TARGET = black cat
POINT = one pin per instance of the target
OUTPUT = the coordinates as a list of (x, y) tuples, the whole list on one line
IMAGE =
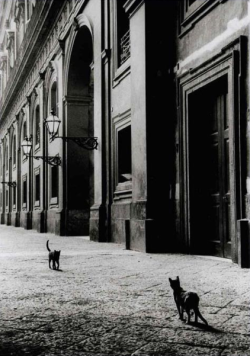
[(186, 301), (53, 256)]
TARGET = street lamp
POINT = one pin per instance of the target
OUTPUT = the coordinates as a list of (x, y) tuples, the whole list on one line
[(52, 124), (27, 146)]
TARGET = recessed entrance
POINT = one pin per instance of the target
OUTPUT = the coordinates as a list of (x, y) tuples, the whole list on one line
[(209, 170), (79, 123)]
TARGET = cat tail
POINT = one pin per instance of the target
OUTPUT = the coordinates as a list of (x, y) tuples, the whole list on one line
[(201, 317), (47, 244)]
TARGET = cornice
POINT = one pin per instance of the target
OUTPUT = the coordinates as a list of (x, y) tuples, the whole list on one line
[(43, 43), (36, 33), (131, 6)]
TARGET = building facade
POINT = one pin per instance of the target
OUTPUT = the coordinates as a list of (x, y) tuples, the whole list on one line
[(152, 96)]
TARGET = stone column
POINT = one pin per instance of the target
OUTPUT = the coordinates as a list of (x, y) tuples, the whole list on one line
[(150, 106)]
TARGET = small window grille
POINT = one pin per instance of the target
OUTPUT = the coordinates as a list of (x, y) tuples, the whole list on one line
[(125, 47)]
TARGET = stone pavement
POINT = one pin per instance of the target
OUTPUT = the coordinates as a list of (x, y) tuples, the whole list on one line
[(110, 301)]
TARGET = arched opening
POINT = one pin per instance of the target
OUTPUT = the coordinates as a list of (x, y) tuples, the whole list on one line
[(79, 123)]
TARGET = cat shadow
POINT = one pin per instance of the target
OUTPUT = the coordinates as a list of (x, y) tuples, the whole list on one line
[(205, 327)]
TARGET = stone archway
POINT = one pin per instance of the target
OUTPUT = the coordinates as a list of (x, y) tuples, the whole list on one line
[(79, 123)]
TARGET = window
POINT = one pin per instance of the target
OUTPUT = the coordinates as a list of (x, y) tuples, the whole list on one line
[(7, 197), (37, 126), (1, 168), (7, 160), (24, 136), (29, 5), (14, 195), (54, 184), (53, 97), (124, 155), (14, 150), (24, 191), (24, 130), (37, 188), (1, 84), (123, 35)]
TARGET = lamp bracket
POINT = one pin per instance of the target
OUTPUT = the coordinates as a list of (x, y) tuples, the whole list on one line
[(89, 143), (10, 184), (52, 160)]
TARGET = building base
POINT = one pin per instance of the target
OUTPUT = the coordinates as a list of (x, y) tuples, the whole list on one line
[(26, 220), (98, 226)]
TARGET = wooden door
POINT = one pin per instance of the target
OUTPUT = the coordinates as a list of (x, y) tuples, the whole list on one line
[(209, 174)]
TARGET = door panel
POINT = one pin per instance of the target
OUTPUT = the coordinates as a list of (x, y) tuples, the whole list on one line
[(209, 178)]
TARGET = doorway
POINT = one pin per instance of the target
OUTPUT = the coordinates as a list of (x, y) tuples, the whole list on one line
[(79, 122), (209, 170)]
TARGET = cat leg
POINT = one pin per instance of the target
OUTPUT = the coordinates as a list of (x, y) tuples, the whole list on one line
[(200, 316), (179, 310), (181, 313), (196, 317), (49, 263), (189, 316)]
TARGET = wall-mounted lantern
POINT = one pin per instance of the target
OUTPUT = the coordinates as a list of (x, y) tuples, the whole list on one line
[(52, 124), (27, 146)]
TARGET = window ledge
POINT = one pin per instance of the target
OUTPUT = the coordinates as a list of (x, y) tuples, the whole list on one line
[(193, 16), (37, 203), (123, 191), (122, 72), (54, 201)]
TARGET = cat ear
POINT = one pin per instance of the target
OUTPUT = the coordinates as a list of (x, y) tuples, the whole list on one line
[(170, 280), (178, 278)]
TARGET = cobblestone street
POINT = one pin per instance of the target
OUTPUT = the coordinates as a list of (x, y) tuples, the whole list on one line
[(106, 300)]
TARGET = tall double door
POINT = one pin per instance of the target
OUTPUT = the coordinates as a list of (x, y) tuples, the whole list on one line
[(209, 170)]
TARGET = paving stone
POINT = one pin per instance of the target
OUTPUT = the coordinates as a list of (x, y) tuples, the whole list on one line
[(110, 301), (236, 352), (163, 349)]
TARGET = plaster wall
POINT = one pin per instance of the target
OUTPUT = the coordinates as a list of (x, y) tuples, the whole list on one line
[(221, 26)]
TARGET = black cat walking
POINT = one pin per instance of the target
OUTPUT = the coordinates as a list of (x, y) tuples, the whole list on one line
[(186, 301), (53, 256)]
